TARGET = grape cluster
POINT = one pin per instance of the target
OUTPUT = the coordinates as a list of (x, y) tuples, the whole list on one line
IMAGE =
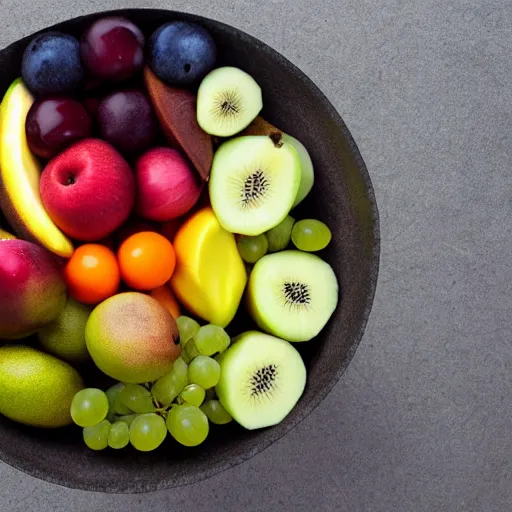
[(182, 402)]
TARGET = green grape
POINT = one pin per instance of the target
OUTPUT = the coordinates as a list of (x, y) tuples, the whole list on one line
[(216, 413), (96, 436), (147, 432), (89, 406), (119, 435), (191, 349), (187, 424), (137, 398), (204, 371), (127, 418), (168, 387), (187, 328), (193, 395), (211, 339), (311, 235), (279, 236), (252, 248), (115, 406)]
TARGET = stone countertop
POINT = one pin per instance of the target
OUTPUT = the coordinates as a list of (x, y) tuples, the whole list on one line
[(421, 420)]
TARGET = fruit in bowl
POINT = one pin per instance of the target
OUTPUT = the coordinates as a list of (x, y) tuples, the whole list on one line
[(126, 120), (131, 338), (20, 171), (55, 123), (51, 64), (182, 228), (37, 388), (112, 48), (88, 190), (32, 289), (167, 186)]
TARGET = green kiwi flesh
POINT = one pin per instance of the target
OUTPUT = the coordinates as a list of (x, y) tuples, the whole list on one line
[(228, 100), (262, 378), (253, 183), (292, 294)]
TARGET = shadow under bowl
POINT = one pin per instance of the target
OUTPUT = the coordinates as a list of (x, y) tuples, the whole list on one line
[(342, 197)]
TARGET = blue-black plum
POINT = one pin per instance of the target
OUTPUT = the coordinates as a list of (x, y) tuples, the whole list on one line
[(181, 53), (51, 64)]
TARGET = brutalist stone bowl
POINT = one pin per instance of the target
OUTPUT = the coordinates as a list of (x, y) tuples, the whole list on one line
[(343, 197)]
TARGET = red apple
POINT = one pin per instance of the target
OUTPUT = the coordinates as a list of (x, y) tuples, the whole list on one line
[(32, 288), (168, 187), (88, 190)]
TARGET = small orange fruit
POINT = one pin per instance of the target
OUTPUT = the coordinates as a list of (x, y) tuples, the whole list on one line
[(164, 295), (146, 260), (92, 274)]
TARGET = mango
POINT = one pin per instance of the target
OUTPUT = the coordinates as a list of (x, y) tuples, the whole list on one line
[(210, 276), (36, 388), (32, 288), (131, 338), (65, 336), (19, 176)]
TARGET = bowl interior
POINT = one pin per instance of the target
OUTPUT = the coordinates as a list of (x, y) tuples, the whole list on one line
[(342, 197)]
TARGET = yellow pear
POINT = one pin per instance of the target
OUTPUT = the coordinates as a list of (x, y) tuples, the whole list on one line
[(36, 388)]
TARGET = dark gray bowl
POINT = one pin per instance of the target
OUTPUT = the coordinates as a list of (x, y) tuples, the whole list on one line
[(342, 196)]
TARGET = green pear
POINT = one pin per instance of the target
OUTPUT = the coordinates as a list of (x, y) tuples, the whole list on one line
[(36, 388), (65, 336)]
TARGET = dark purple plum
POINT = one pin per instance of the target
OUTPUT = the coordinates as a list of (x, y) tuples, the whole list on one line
[(54, 124), (181, 53), (113, 48), (126, 120), (51, 65)]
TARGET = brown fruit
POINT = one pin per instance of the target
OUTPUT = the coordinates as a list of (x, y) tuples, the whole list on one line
[(176, 112)]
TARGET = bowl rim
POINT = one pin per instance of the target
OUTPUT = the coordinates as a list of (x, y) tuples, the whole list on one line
[(277, 434)]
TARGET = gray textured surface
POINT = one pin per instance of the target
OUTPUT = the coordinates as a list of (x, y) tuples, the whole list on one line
[(421, 420)]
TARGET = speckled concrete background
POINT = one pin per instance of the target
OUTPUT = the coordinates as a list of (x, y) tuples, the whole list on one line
[(421, 420)]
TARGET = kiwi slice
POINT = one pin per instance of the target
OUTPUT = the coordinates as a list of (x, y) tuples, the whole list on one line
[(253, 183), (261, 379), (228, 100), (292, 294), (262, 127)]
